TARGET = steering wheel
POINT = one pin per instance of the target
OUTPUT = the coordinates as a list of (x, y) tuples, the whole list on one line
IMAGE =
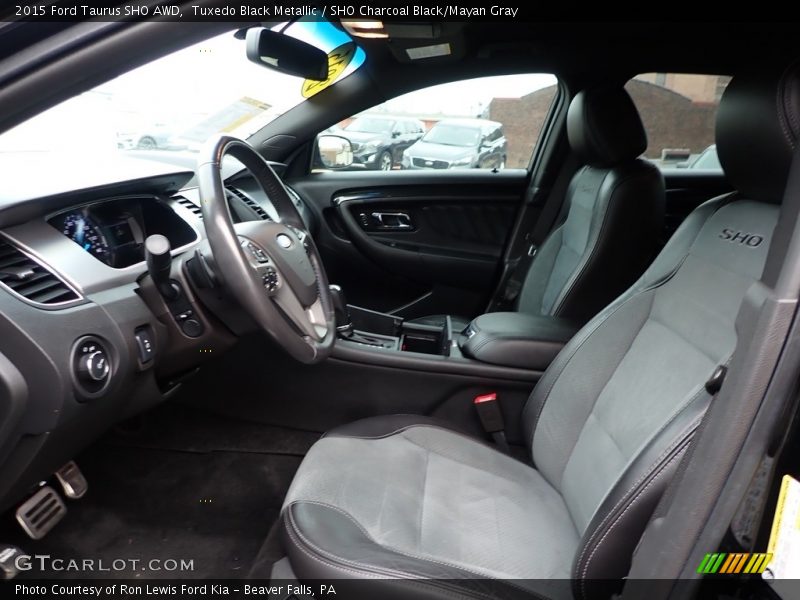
[(273, 269)]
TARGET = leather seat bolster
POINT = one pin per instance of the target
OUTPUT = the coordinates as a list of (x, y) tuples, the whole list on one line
[(611, 537), (325, 543)]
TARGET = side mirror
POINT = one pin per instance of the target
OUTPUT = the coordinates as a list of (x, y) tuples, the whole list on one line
[(286, 54), (395, 134), (334, 151)]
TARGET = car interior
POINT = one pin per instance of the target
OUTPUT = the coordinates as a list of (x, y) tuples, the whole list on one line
[(570, 376)]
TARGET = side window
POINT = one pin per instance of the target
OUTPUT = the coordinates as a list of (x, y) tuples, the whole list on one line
[(678, 112), (454, 118)]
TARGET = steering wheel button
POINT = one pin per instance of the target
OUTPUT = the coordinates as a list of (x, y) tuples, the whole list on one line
[(270, 279)]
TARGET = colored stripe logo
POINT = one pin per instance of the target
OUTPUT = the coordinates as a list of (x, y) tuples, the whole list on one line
[(729, 564)]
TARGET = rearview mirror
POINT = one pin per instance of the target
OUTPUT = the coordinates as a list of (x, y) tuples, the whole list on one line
[(286, 54), (335, 152)]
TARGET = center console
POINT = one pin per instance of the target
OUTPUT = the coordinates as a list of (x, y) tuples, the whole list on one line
[(506, 345)]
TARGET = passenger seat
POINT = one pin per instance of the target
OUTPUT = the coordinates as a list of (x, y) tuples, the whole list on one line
[(614, 209)]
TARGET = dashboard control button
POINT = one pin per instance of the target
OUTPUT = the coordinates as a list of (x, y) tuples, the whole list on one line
[(94, 366), (192, 327), (145, 344)]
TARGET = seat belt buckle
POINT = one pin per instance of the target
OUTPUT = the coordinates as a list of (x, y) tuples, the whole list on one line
[(491, 416), (489, 412)]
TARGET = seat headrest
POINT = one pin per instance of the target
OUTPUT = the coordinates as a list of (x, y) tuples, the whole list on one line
[(604, 127), (758, 122)]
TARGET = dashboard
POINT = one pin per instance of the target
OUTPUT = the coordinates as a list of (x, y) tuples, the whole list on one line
[(74, 297)]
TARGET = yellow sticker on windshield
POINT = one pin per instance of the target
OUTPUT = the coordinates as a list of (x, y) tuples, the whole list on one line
[(338, 59)]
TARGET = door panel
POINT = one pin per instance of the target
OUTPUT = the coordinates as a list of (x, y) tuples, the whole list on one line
[(393, 238)]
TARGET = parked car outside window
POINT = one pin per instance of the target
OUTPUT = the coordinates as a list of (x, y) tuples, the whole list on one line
[(459, 144), (378, 142)]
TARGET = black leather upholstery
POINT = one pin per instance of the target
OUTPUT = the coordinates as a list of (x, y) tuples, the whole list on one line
[(516, 339), (614, 210), (627, 204), (759, 168), (604, 127)]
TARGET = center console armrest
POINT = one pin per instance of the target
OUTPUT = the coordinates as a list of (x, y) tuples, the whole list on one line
[(516, 340)]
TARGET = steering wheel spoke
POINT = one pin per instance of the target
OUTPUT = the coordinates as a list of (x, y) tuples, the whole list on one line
[(309, 320)]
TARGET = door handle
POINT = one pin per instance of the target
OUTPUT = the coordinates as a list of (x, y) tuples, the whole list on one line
[(392, 221)]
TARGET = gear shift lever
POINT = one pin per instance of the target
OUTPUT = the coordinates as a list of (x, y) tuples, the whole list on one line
[(344, 324)]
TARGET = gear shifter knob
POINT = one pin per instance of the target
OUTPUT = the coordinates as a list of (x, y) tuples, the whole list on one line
[(158, 254), (344, 324)]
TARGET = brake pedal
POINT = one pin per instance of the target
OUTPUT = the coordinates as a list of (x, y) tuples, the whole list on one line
[(9, 565), (41, 512), (73, 483)]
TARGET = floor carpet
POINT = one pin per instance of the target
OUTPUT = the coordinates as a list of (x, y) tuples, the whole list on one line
[(177, 484)]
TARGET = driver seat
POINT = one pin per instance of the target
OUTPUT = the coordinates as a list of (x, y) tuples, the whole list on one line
[(407, 498)]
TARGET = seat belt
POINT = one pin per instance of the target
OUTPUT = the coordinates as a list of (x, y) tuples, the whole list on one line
[(539, 218)]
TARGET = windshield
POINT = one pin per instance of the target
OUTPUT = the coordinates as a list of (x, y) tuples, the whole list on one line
[(453, 135), (368, 125), (176, 103)]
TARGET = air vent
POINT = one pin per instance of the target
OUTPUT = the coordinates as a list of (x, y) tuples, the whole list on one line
[(27, 278), (252, 204), (186, 203)]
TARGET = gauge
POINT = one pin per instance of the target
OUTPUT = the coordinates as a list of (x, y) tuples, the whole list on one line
[(82, 230)]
